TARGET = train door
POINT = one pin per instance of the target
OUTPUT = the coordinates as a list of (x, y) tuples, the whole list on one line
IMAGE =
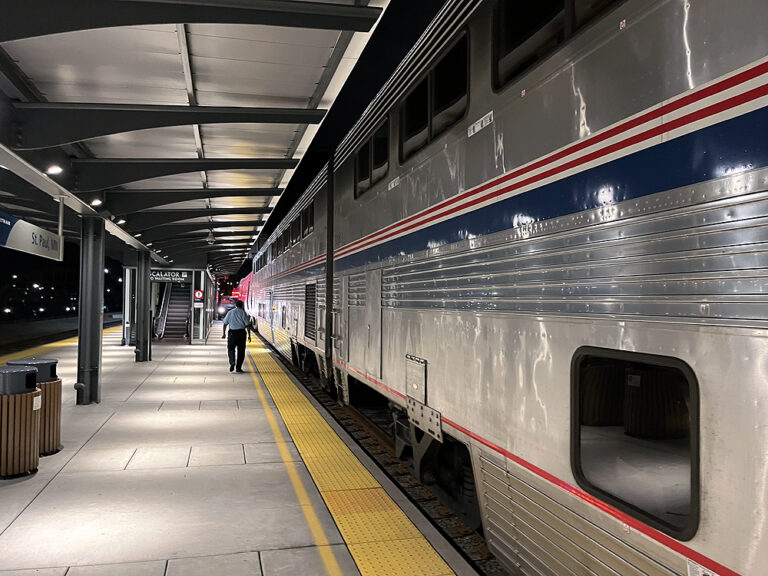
[(341, 321), (373, 323), (272, 315)]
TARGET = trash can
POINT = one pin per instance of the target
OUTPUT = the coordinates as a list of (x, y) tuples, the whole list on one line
[(20, 403), (50, 412)]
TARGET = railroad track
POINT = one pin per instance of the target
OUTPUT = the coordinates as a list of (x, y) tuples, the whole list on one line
[(379, 445)]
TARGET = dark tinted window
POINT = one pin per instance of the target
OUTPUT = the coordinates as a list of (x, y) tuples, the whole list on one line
[(309, 219), (363, 169), (450, 83), (372, 160), (635, 436), (380, 153), (414, 119), (528, 32), (296, 230)]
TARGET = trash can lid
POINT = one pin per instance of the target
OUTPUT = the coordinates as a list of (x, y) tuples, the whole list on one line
[(46, 367)]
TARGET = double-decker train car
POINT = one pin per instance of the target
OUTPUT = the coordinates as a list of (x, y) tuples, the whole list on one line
[(545, 243)]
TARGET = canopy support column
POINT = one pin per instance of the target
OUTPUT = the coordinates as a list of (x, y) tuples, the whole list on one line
[(90, 311), (143, 310)]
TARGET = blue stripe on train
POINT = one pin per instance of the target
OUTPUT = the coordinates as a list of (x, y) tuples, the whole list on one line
[(736, 144)]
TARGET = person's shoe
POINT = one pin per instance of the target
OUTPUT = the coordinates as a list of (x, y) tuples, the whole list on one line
[(231, 367), (239, 371)]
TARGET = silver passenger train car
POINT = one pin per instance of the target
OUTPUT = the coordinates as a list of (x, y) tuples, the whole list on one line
[(549, 252)]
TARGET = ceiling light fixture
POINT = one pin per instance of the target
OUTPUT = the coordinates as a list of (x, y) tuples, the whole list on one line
[(211, 239), (54, 169), (137, 235), (96, 202), (121, 222)]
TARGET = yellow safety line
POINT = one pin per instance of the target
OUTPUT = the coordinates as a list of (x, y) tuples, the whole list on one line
[(44, 348), (381, 538), (318, 533)]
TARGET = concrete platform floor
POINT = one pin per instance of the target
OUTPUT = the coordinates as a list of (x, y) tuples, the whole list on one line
[(175, 472)]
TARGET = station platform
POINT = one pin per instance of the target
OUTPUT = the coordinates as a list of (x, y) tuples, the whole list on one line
[(185, 468)]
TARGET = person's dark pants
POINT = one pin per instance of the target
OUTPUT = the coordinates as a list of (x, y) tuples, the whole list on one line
[(236, 340)]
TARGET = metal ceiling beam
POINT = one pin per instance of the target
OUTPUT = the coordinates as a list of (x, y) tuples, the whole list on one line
[(48, 124), (101, 173), (147, 220), (42, 17), (125, 202)]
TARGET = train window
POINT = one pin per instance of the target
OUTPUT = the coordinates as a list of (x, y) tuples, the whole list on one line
[(414, 120), (450, 88), (526, 32), (635, 441), (273, 248), (584, 11), (372, 160), (310, 225), (380, 153), (296, 230), (363, 169), (283, 317)]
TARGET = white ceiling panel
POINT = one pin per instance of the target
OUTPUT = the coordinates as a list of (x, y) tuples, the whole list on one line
[(248, 100), (178, 181), (255, 51), (172, 142), (288, 77), (273, 34), (290, 88), (244, 178), (101, 94)]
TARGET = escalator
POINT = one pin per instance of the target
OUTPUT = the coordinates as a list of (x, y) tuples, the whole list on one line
[(172, 321)]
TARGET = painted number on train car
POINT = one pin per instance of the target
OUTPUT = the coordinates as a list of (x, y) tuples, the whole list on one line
[(484, 122)]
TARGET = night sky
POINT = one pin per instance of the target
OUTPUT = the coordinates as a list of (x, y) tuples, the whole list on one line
[(32, 287)]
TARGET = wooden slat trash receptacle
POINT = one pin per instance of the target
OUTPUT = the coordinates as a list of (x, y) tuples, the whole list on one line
[(50, 413), (20, 402)]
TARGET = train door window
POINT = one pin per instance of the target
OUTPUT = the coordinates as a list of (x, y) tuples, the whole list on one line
[(414, 120), (526, 32), (450, 87), (363, 169), (283, 317), (635, 441)]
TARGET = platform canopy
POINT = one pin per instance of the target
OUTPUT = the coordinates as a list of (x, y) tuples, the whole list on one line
[(180, 121)]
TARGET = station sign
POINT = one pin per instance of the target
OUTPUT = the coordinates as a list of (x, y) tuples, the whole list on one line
[(19, 235), (199, 295), (168, 275)]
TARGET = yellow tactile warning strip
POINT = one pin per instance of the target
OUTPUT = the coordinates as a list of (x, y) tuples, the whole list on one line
[(45, 349), (381, 538)]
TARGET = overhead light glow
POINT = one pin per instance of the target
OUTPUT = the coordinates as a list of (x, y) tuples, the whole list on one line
[(149, 243), (96, 202), (14, 276), (121, 222), (7, 310), (137, 235), (54, 169), (41, 309), (35, 285)]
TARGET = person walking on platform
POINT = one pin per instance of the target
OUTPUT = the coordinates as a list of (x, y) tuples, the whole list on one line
[(239, 326)]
